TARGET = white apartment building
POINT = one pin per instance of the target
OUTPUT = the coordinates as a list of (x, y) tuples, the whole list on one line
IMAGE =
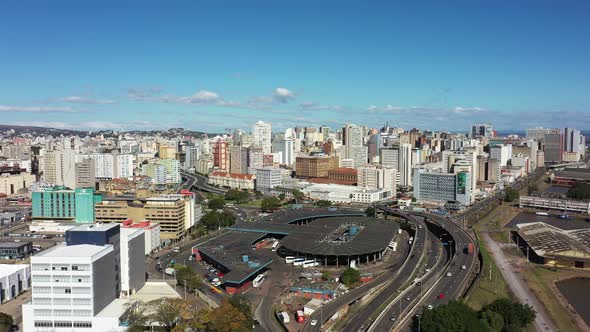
[(124, 166), (502, 153), (59, 168), (405, 164), (287, 147), (261, 131), (371, 177), (71, 284), (268, 177)]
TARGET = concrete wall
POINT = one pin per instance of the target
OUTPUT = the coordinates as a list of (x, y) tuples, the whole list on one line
[(105, 281), (136, 263)]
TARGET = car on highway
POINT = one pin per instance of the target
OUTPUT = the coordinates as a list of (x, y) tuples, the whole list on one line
[(463, 267), (449, 274), (176, 249), (392, 319), (407, 298), (430, 306), (441, 296), (314, 322)]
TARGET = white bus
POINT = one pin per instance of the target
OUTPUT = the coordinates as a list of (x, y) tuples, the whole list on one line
[(275, 246), (258, 280), (411, 240), (310, 263), (298, 261), (289, 259)]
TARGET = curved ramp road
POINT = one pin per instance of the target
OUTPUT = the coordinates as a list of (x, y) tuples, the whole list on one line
[(200, 182)]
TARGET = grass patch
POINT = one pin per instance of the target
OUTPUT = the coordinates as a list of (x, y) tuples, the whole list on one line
[(255, 203), (487, 290), (538, 278)]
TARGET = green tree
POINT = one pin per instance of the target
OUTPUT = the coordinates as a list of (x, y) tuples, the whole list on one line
[(298, 195), (532, 188), (492, 320), (370, 211), (579, 191), (227, 318), (326, 275), (6, 321), (270, 204), (282, 196), (241, 303), (165, 312), (185, 273), (511, 195), (350, 277), (452, 317), (258, 194), (323, 203), (236, 195), (135, 317), (213, 220), (516, 316), (216, 203)]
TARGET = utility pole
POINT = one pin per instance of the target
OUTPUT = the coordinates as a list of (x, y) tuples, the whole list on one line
[(185, 289)]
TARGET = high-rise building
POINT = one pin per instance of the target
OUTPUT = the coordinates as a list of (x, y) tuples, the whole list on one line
[(167, 152), (553, 147), (482, 130), (287, 147), (574, 142), (372, 177), (192, 155), (503, 153), (239, 159), (60, 203), (539, 132), (124, 163), (255, 158), (389, 158), (59, 168), (262, 131), (221, 155), (438, 187), (405, 164), (172, 167), (156, 172), (353, 145), (85, 174), (268, 178)]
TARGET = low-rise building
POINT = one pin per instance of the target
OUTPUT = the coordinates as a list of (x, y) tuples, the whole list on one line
[(14, 279), (232, 180), (15, 250), (152, 233)]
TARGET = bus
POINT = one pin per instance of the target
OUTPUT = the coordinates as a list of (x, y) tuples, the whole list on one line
[(289, 259), (310, 263), (298, 261), (411, 240), (275, 246), (258, 280)]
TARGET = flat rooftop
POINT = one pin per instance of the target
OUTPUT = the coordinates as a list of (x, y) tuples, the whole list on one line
[(81, 250), (227, 250), (8, 269), (13, 244), (98, 227), (149, 292), (574, 173)]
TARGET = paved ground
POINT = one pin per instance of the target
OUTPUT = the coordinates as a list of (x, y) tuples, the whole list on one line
[(517, 285), (13, 307)]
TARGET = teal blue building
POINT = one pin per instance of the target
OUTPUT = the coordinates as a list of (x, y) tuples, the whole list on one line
[(63, 204)]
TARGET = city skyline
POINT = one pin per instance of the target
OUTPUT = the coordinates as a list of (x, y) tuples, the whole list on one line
[(207, 67)]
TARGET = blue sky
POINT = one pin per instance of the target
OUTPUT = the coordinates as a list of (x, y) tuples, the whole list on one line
[(211, 65)]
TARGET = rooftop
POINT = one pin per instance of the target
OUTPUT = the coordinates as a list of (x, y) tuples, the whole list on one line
[(8, 269), (81, 250), (574, 173), (149, 292), (99, 227), (233, 175), (13, 244), (547, 240)]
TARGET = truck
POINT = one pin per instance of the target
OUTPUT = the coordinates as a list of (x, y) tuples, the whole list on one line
[(170, 271), (393, 246), (411, 240), (470, 249), (284, 317)]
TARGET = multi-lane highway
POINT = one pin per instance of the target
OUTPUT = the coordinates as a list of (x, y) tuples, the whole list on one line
[(390, 277), (200, 182)]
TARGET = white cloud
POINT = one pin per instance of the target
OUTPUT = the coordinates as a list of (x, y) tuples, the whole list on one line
[(372, 108), (313, 106), (283, 95), (461, 109), (85, 100), (38, 109), (201, 97)]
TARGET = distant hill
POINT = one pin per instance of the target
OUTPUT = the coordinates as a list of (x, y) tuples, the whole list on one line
[(59, 131)]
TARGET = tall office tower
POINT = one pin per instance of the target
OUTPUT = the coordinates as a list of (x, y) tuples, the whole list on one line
[(540, 132), (262, 132), (573, 141), (353, 137), (71, 285), (389, 158), (85, 174), (553, 147), (286, 146), (482, 130), (482, 164), (133, 267), (124, 166), (193, 153), (221, 155), (325, 131), (450, 158), (414, 134), (316, 166), (405, 164), (503, 153), (238, 160), (255, 159)]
